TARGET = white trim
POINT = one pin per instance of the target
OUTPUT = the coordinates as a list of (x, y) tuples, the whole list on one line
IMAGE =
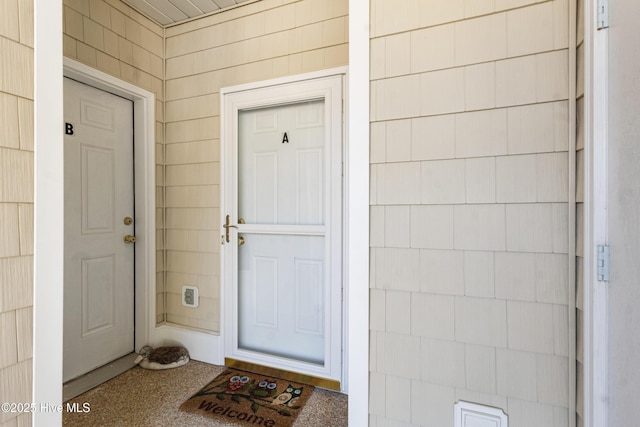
[(203, 346), (48, 212), (329, 85), (336, 71), (595, 304), (357, 208), (571, 208), (144, 177)]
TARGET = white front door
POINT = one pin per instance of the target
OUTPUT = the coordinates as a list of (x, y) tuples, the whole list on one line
[(283, 198), (99, 212)]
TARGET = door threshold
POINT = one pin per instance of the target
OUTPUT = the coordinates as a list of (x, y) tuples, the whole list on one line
[(327, 383), (86, 382)]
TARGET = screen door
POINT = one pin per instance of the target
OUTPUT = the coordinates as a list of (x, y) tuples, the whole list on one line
[(283, 223)]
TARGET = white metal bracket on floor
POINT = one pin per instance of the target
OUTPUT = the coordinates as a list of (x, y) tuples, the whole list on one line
[(603, 14)]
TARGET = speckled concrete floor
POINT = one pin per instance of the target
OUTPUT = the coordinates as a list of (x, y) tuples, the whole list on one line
[(140, 397)]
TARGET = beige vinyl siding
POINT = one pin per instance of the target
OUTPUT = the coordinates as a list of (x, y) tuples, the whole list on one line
[(16, 206), (113, 38), (262, 40), (580, 126), (470, 241)]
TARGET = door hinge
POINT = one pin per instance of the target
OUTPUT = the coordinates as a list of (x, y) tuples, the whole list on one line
[(604, 260), (603, 14)]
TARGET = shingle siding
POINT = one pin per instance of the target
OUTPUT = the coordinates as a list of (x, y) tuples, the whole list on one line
[(470, 209), (16, 206), (256, 42)]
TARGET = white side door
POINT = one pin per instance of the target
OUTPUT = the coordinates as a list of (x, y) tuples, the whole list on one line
[(99, 212), (283, 198)]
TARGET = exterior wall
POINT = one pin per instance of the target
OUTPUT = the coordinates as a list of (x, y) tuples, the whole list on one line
[(263, 40), (16, 205), (579, 212), (113, 38), (624, 211), (470, 239)]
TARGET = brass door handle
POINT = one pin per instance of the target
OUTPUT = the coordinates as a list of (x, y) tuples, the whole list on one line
[(240, 240), (227, 226), (129, 238)]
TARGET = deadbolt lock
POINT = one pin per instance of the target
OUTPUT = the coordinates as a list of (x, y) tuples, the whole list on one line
[(127, 220), (129, 238)]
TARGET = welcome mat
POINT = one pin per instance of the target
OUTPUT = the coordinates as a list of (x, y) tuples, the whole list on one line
[(250, 399)]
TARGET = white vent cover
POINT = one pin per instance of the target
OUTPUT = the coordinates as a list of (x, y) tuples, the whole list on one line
[(468, 414)]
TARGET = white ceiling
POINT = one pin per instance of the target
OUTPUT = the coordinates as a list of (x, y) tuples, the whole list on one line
[(167, 12)]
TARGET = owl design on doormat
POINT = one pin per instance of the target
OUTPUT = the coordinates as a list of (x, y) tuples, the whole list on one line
[(264, 389), (289, 397), (238, 383)]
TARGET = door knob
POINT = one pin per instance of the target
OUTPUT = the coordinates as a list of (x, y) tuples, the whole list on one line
[(129, 238), (240, 240)]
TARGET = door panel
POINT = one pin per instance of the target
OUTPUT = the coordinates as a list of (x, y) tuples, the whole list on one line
[(281, 178), (99, 266), (98, 189), (98, 302), (281, 296)]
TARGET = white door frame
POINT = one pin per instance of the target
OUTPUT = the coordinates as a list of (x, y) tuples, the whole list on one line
[(595, 229), (144, 188), (275, 92)]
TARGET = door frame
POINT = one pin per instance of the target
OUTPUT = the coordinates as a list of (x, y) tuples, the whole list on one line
[(144, 189), (595, 299), (336, 364)]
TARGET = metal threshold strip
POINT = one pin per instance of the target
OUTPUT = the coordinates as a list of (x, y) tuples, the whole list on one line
[(329, 384)]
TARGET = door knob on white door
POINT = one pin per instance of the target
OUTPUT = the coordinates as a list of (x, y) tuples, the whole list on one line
[(129, 238)]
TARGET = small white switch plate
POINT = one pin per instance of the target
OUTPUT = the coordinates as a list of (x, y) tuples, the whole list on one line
[(190, 296)]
